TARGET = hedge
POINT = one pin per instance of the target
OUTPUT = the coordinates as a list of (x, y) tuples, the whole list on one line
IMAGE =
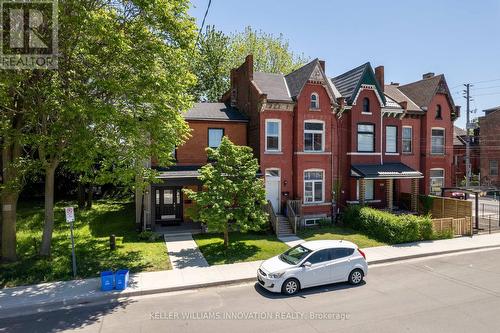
[(388, 227)]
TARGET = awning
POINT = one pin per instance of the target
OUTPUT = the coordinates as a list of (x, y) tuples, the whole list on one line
[(179, 175), (384, 171)]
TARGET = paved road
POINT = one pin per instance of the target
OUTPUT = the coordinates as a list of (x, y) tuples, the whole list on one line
[(459, 293)]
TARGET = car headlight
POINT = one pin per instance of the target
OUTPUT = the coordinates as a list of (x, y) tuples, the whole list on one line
[(276, 275)]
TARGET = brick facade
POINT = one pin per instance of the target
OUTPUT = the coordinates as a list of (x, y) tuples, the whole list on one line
[(489, 143)]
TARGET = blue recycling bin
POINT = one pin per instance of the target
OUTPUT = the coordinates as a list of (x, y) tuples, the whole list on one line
[(121, 279), (107, 280)]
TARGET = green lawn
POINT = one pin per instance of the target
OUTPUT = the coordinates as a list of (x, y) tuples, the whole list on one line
[(335, 232), (92, 230), (242, 247)]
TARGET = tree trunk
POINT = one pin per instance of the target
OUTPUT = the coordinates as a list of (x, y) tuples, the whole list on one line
[(48, 226), (9, 206), (81, 195), (90, 197), (226, 237)]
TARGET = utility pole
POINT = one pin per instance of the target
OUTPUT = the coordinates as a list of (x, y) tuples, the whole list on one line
[(468, 126)]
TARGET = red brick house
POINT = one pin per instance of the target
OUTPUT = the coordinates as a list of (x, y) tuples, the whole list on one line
[(312, 134), (489, 142), (459, 154)]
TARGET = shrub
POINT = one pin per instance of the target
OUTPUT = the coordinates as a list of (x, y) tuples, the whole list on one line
[(426, 201), (148, 236), (324, 222), (388, 227)]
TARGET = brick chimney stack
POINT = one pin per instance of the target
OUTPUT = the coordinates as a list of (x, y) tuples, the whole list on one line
[(379, 75), (428, 75)]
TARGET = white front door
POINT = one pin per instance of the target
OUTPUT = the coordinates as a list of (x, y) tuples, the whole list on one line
[(273, 188)]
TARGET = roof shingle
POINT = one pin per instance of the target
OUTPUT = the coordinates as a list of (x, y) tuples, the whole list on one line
[(214, 111), (273, 85)]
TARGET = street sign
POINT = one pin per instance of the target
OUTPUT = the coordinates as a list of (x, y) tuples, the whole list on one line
[(70, 214)]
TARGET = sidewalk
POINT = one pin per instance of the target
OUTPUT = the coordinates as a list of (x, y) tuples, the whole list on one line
[(42, 297)]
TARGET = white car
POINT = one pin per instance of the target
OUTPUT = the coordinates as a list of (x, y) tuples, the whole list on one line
[(311, 264)]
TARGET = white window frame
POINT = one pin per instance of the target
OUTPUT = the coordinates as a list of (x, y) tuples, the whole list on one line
[(403, 140), (387, 142), (316, 107), (444, 141), (216, 129), (314, 219), (279, 135), (430, 180), (313, 186), (374, 144), (314, 132), (372, 181)]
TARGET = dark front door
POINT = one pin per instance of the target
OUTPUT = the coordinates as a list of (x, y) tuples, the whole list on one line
[(168, 205)]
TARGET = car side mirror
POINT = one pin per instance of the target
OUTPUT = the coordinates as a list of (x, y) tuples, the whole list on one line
[(306, 264)]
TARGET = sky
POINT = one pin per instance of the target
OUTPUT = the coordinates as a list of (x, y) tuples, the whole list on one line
[(459, 38)]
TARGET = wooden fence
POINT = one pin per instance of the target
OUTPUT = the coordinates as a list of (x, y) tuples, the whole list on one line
[(458, 226), (449, 207)]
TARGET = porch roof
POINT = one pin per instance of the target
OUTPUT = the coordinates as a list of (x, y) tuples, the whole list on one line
[(179, 175), (384, 171)]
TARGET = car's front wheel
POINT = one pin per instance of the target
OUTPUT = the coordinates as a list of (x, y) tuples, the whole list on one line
[(290, 287), (356, 277)]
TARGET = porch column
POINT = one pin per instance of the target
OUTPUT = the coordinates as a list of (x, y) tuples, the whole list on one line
[(362, 191), (389, 191), (414, 194)]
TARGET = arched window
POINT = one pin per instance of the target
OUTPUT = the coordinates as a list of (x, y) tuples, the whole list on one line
[(366, 105), (314, 101), (438, 112)]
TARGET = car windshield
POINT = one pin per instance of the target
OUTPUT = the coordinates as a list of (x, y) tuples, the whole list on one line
[(295, 255)]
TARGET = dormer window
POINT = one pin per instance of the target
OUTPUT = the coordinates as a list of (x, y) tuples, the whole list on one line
[(366, 105), (438, 112), (314, 101)]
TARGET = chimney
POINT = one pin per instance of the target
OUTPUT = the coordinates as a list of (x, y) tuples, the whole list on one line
[(379, 75), (249, 65), (404, 105), (322, 64), (428, 75), (395, 84)]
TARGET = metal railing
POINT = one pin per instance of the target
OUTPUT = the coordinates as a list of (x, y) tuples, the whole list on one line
[(293, 210), (273, 218)]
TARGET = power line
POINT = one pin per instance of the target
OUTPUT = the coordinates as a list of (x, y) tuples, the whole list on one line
[(204, 18), (495, 93), (490, 87), (485, 81)]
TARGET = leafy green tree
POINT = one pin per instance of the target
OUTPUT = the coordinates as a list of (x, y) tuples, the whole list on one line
[(218, 54), (116, 98), (233, 196)]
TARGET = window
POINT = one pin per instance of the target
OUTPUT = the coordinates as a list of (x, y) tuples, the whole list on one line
[(437, 141), (341, 252), (320, 256), (273, 135), (436, 181), (391, 139), (438, 112), (313, 136), (309, 222), (493, 168), (272, 172), (407, 139), (369, 187), (366, 137), (215, 137), (313, 186), (314, 101), (366, 105)]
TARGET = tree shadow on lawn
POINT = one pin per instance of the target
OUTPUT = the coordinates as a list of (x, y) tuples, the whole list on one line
[(216, 253)]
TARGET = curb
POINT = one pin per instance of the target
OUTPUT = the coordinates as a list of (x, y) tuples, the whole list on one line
[(24, 310)]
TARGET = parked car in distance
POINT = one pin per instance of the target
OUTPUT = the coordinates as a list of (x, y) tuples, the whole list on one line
[(311, 264), (458, 195)]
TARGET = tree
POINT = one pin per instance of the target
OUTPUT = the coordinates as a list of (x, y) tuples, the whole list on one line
[(233, 196), (218, 54), (116, 98)]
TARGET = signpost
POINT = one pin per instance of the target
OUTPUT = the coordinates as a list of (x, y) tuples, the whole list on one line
[(70, 218)]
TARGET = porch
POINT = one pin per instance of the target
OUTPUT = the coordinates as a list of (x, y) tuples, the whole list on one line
[(380, 184)]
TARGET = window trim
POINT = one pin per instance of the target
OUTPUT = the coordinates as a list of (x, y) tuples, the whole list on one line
[(403, 140), (444, 140), (313, 181), (490, 168), (395, 139), (430, 179), (279, 135), (317, 107), (208, 135), (323, 134), (374, 138)]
